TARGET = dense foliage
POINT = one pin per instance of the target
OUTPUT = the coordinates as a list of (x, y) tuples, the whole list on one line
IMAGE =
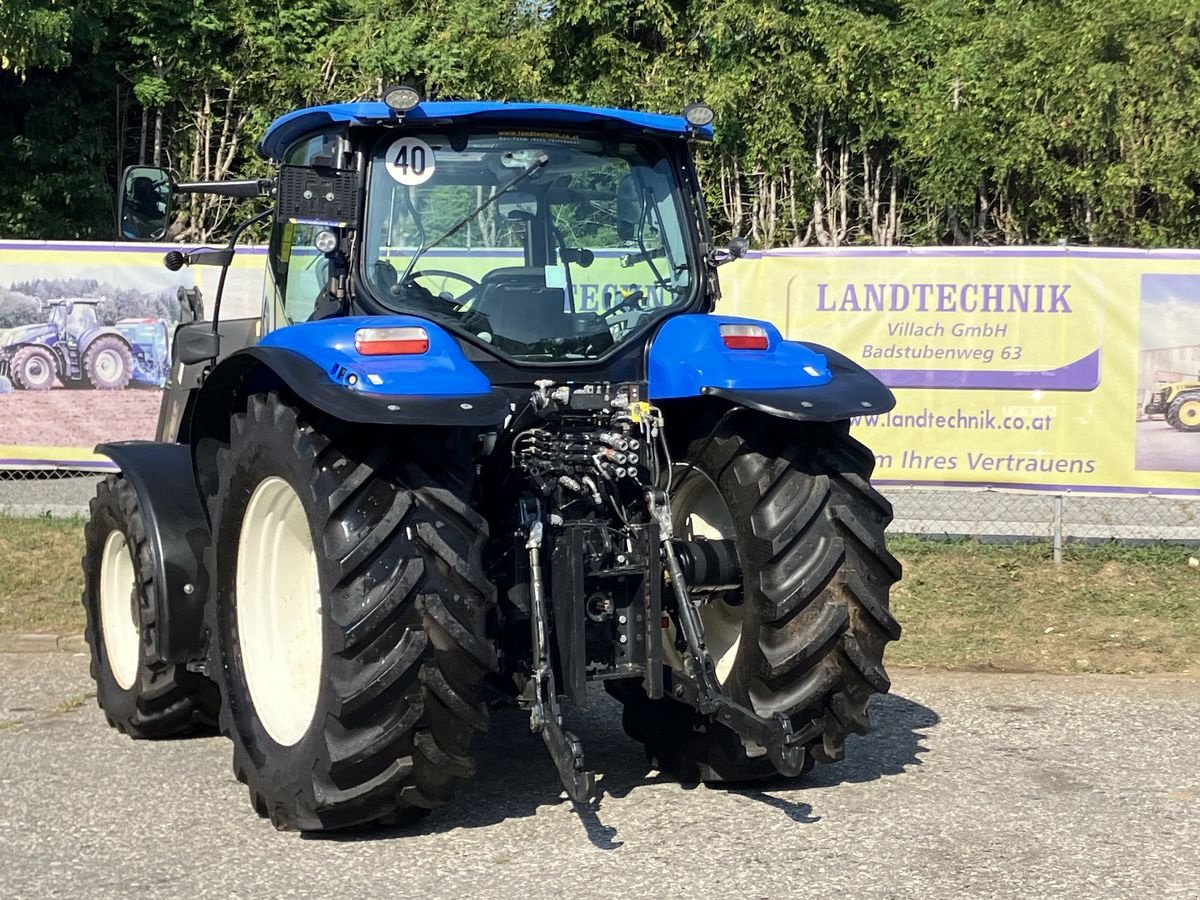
[(877, 121)]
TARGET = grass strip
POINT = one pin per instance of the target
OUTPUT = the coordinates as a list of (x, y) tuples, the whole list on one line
[(41, 576), (963, 604), (1007, 607)]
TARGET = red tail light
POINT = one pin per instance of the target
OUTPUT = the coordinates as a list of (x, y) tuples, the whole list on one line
[(408, 340), (744, 337)]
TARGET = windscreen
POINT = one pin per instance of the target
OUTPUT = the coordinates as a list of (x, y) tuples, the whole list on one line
[(546, 247)]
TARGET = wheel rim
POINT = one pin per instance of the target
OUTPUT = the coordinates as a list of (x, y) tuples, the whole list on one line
[(1189, 413), (109, 366), (699, 511), (36, 370), (278, 601), (118, 610)]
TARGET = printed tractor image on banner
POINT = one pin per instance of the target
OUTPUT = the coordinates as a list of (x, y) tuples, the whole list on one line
[(84, 348), (1022, 367)]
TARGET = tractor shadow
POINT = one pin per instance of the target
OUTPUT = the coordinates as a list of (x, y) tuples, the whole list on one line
[(515, 777)]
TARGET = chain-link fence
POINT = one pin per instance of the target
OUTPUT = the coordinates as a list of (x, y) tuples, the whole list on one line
[(46, 490), (1055, 518), (932, 512), (51, 473)]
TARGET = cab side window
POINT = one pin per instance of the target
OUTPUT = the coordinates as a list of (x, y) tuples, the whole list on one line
[(304, 269), (301, 271)]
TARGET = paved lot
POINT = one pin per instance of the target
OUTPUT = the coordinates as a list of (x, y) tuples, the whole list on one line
[(972, 785), (1161, 447)]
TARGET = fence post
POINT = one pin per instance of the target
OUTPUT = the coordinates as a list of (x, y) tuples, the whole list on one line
[(1058, 529)]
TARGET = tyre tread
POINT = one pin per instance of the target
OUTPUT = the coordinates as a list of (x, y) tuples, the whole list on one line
[(407, 600), (817, 574), (166, 700)]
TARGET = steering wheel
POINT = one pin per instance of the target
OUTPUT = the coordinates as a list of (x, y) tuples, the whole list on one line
[(471, 283), (633, 301)]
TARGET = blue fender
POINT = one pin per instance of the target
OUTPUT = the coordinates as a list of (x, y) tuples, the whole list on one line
[(792, 379), (89, 337), (319, 363)]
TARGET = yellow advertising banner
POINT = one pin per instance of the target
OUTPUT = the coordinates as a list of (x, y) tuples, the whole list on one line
[(1028, 368), (1018, 368)]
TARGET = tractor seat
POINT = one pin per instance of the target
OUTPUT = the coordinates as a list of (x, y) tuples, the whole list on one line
[(521, 308)]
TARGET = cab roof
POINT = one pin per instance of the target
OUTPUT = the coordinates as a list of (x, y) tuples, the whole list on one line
[(302, 122)]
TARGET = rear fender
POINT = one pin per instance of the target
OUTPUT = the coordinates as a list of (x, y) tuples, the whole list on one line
[(791, 379), (317, 362), (177, 530), (88, 338)]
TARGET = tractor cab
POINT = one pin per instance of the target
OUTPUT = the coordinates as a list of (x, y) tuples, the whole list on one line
[(539, 246), (537, 234), (73, 318), (56, 314)]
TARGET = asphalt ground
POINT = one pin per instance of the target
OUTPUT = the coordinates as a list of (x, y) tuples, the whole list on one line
[(1160, 447), (970, 786)]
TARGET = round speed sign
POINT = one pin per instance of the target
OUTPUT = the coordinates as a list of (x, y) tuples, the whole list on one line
[(410, 161)]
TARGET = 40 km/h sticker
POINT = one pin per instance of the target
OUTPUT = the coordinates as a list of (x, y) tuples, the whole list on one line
[(410, 161)]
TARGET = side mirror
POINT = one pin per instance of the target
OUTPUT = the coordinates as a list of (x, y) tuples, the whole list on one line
[(196, 342), (144, 204), (738, 247)]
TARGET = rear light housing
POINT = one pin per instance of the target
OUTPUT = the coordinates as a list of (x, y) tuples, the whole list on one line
[(405, 340), (745, 337)]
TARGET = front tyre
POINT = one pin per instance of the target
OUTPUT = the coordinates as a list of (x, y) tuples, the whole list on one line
[(141, 694), (34, 368), (348, 619), (805, 635), (1184, 412)]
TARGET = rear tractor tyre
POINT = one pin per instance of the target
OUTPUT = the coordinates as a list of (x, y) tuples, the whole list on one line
[(348, 626), (805, 634), (34, 368), (108, 363), (1184, 412), (141, 694)]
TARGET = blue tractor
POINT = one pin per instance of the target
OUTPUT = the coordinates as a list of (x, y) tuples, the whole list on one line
[(74, 348), (488, 441)]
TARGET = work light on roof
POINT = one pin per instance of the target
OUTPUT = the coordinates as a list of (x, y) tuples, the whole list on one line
[(401, 97), (698, 114)]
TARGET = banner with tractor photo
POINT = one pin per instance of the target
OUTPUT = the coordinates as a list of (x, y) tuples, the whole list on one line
[(84, 347), (1028, 368)]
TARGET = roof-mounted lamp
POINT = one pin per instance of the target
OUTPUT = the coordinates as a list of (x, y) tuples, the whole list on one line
[(698, 114), (401, 97)]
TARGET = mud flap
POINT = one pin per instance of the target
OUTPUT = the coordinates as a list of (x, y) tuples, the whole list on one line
[(178, 534)]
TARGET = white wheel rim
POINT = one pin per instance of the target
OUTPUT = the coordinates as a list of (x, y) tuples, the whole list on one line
[(278, 601), (699, 511), (108, 365), (36, 370), (119, 618)]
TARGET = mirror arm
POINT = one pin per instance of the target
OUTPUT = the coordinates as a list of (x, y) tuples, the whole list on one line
[(256, 187), (175, 260), (738, 248), (233, 239)]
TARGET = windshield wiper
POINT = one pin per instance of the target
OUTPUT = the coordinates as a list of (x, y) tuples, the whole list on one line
[(538, 163)]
